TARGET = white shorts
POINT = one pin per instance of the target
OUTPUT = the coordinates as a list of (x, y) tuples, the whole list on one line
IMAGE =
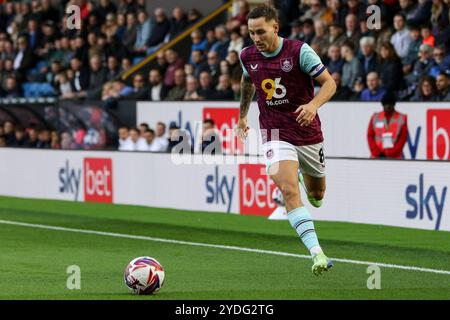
[(311, 158)]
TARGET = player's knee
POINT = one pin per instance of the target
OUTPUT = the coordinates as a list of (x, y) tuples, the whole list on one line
[(317, 194), (289, 191)]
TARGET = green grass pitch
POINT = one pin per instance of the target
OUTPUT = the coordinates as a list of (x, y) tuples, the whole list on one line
[(33, 261)]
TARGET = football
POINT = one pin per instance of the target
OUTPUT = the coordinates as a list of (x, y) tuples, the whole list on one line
[(277, 197), (144, 275)]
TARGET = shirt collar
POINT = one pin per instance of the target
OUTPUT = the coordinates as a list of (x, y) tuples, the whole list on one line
[(276, 52)]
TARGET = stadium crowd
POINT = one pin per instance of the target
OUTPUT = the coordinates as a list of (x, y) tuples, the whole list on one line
[(40, 56), (176, 139)]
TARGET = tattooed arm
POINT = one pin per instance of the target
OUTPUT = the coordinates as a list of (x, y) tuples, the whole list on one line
[(247, 93)]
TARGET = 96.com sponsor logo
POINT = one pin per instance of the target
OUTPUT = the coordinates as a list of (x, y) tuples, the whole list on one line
[(255, 190), (226, 120), (98, 181)]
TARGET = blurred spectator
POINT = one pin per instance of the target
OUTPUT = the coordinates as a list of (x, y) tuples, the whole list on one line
[(401, 38), (32, 137), (213, 65), (44, 141), (55, 142), (236, 88), (157, 91), (351, 67), (24, 58), (160, 143), (296, 30), (143, 127), (198, 43), (210, 140), (235, 69), (2, 141), (390, 68), (191, 89), (8, 132), (123, 137), (420, 14), (222, 43), (143, 32), (140, 90), (320, 38), (352, 33), (12, 90), (427, 35), (343, 93), (443, 87), (236, 41), (317, 11), (149, 136), (335, 62), (135, 142), (243, 30), (174, 62), (80, 82), (387, 131), (179, 90), (67, 141), (205, 90), (160, 29), (413, 49), (130, 32), (112, 68), (189, 69), (374, 91), (368, 58), (337, 36), (198, 62), (307, 31), (20, 139), (178, 22), (194, 16), (422, 66), (426, 90), (223, 89), (440, 62), (241, 16)]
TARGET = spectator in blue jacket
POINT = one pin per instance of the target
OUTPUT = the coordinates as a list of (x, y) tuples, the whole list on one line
[(374, 91)]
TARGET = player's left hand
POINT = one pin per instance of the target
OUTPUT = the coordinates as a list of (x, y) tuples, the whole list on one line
[(306, 112)]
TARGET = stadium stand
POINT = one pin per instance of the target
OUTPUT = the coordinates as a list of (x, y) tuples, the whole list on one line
[(41, 57)]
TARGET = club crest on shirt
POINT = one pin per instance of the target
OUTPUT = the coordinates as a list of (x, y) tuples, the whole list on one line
[(269, 154), (286, 64)]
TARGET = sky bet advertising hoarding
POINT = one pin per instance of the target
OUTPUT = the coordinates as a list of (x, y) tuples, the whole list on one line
[(410, 194), (344, 126)]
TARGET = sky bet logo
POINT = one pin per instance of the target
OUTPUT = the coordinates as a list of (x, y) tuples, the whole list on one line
[(424, 200), (97, 176), (69, 180), (98, 180), (220, 189), (255, 190)]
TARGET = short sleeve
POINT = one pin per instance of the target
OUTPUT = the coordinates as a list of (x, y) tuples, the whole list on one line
[(244, 70), (310, 62)]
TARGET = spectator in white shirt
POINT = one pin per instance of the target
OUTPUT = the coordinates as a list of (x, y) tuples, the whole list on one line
[(143, 127), (149, 136), (401, 38), (135, 143), (123, 137), (160, 143)]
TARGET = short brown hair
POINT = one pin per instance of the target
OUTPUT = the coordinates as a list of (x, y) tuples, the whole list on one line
[(269, 13)]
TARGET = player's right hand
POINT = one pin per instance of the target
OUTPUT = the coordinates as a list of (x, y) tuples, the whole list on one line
[(242, 129)]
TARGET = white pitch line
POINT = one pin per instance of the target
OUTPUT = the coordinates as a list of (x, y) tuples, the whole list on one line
[(217, 246)]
